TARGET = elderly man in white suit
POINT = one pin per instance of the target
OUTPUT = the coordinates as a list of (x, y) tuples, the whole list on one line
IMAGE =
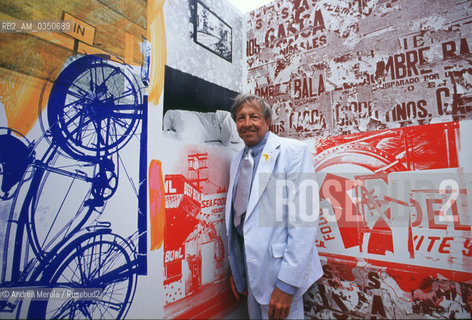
[(271, 216)]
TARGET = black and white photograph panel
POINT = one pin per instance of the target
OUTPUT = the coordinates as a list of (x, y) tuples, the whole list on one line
[(213, 33)]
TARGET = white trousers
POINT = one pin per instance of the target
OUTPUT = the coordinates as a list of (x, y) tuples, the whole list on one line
[(258, 311)]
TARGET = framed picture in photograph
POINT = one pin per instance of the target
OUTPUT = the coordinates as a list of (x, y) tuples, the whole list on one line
[(212, 33)]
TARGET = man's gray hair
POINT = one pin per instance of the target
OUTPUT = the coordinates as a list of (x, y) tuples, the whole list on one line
[(252, 100)]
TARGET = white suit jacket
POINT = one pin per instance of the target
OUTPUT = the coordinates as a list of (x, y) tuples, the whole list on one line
[(281, 221)]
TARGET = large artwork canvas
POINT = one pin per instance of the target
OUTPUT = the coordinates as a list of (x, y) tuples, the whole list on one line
[(74, 117), (381, 90), (201, 138)]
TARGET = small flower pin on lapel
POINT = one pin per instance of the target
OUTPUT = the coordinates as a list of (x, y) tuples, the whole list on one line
[(265, 156)]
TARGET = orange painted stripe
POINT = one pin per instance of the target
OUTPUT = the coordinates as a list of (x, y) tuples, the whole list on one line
[(157, 202)]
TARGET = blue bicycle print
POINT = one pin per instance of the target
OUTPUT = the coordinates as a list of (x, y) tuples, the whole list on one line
[(58, 187)]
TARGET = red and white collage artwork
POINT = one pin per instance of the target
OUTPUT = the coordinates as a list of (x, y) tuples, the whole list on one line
[(395, 224), (382, 90)]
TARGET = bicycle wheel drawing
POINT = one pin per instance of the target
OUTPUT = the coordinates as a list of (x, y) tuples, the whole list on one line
[(94, 108), (101, 268), (48, 208)]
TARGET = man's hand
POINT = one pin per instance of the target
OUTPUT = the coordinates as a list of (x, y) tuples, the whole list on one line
[(233, 288), (279, 305)]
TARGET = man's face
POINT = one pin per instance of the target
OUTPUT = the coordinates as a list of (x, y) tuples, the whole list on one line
[(251, 124)]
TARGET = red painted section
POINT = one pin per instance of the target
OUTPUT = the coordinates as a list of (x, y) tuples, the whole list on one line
[(381, 239), (223, 302), (423, 147), (350, 222), (196, 272)]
